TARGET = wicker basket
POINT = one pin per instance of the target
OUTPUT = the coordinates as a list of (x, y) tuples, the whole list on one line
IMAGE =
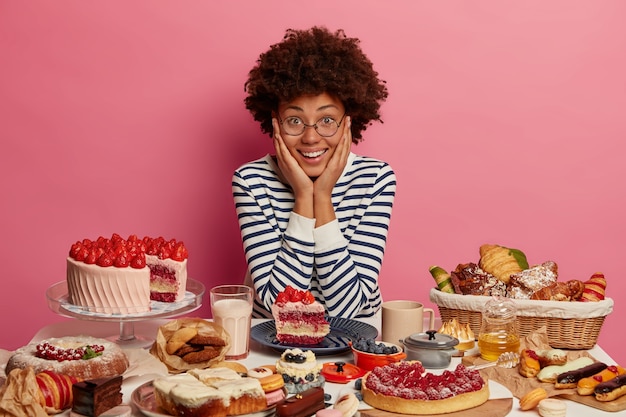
[(570, 325)]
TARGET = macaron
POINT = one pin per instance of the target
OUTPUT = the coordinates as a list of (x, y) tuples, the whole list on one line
[(551, 407), (275, 396), (272, 382), (328, 412), (348, 404)]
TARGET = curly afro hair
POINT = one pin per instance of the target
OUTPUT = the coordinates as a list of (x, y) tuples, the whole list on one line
[(316, 61)]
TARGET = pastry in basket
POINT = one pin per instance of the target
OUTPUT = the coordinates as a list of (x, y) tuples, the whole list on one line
[(524, 283), (413, 391), (442, 278), (560, 291), (470, 279), (501, 261), (595, 288)]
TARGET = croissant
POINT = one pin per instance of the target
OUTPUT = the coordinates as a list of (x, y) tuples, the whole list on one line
[(501, 262), (560, 291), (595, 288)]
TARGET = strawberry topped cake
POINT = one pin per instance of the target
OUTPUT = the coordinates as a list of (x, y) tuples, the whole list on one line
[(299, 318), (121, 276), (406, 388)]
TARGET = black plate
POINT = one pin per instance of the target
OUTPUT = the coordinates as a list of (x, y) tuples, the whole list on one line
[(342, 331)]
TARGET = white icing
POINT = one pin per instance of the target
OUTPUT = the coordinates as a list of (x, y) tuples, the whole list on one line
[(113, 290), (108, 290), (211, 374), (237, 388)]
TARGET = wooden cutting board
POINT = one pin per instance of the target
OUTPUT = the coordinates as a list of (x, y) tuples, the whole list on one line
[(493, 408), (618, 404)]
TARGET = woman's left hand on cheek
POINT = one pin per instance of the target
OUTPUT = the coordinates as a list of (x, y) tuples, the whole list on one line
[(338, 160)]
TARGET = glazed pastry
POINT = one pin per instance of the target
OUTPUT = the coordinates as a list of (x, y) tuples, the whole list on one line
[(502, 262), (523, 284), (595, 288), (532, 399), (560, 291), (549, 373), (570, 379), (529, 363), (549, 357), (586, 385), (612, 389)]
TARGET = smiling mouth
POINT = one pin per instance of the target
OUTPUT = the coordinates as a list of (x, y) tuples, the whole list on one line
[(313, 154)]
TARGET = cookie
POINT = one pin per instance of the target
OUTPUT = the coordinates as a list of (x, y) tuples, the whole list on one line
[(208, 353), (179, 338)]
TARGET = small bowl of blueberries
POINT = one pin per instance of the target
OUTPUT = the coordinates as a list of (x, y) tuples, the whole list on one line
[(368, 353)]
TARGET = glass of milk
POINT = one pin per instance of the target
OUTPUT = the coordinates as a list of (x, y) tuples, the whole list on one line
[(231, 306)]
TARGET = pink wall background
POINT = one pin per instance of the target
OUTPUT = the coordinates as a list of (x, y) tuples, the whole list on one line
[(505, 124)]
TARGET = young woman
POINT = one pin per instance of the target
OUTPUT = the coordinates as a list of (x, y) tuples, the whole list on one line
[(315, 215)]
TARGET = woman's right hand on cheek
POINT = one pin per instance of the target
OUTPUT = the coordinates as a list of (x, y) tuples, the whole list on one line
[(289, 167)]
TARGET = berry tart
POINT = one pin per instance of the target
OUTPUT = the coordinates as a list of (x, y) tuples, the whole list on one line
[(406, 388)]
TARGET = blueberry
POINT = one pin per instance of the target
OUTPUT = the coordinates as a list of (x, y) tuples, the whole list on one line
[(358, 383), (309, 377)]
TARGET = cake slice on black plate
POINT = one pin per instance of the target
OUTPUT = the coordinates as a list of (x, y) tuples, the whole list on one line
[(299, 318)]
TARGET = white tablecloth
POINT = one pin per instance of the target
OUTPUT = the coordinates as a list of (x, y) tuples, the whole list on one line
[(262, 355)]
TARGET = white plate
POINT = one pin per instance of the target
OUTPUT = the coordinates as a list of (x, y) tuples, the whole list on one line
[(144, 400)]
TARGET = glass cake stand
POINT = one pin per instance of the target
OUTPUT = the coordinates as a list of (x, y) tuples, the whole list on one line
[(58, 301)]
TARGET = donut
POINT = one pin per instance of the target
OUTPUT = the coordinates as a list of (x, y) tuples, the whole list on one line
[(111, 361), (348, 404)]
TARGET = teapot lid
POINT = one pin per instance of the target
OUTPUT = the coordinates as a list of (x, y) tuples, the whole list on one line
[(431, 340)]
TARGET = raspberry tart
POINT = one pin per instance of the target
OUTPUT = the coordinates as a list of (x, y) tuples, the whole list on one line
[(121, 276), (299, 318), (406, 388), (80, 357)]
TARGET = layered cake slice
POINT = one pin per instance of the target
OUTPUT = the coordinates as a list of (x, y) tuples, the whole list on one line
[(94, 397), (299, 318)]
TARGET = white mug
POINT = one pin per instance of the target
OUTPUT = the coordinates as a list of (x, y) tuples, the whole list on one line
[(402, 318)]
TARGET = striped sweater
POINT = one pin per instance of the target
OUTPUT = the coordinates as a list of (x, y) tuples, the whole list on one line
[(338, 262)]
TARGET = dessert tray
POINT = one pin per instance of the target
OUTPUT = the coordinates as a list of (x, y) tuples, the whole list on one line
[(58, 301), (143, 398), (342, 331)]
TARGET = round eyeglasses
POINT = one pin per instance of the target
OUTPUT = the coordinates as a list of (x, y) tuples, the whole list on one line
[(326, 126)]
